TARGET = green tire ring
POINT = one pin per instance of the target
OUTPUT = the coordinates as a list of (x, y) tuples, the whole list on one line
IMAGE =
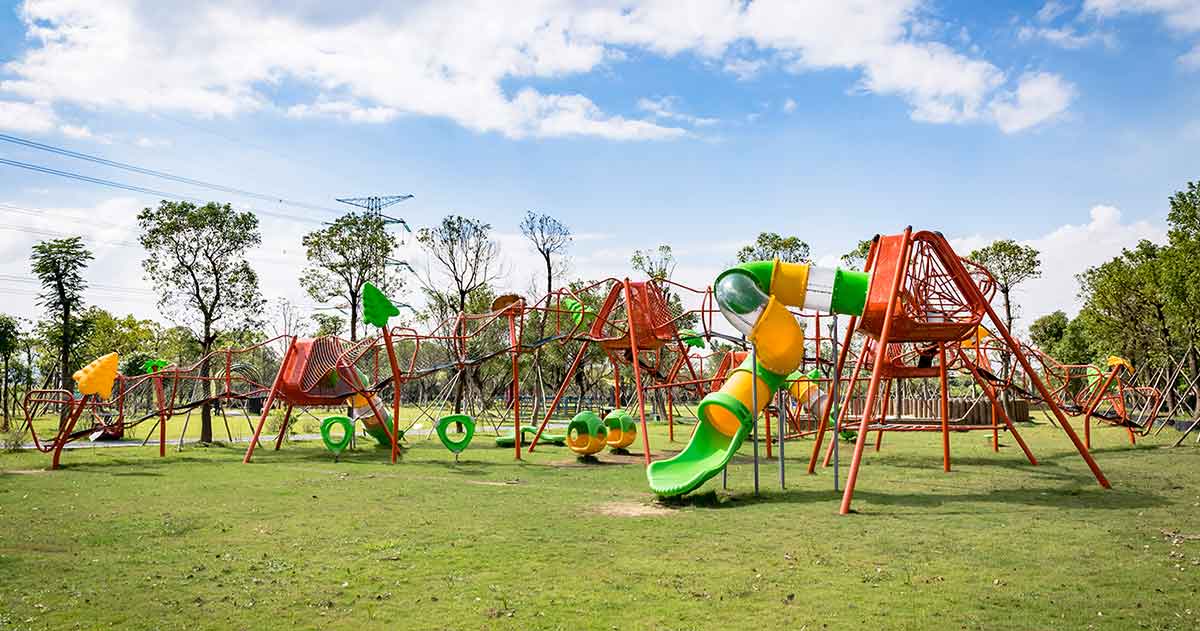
[(456, 446), (347, 425)]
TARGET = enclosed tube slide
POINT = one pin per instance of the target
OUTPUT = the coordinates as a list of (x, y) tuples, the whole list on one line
[(754, 297)]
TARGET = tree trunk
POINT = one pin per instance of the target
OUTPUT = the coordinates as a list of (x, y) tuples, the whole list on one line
[(64, 360), (1193, 364), (5, 424), (460, 387), (206, 387)]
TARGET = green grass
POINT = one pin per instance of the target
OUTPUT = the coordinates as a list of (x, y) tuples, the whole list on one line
[(122, 539), (306, 422)]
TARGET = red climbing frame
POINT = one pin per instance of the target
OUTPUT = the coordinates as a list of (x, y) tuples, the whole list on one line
[(921, 291), (647, 327), (302, 380)]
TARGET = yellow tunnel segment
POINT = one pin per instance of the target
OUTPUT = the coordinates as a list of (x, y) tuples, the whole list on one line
[(731, 407)]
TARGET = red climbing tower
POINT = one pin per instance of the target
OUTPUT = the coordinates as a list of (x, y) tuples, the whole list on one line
[(922, 292), (319, 371), (634, 320)]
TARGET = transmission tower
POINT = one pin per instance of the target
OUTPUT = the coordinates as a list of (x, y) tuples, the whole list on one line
[(375, 205)]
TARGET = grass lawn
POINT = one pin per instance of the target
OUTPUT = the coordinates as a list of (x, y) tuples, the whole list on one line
[(122, 539), (241, 427)]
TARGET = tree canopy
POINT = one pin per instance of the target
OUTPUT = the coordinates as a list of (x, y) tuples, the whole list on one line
[(771, 245), (196, 260), (59, 265), (355, 249)]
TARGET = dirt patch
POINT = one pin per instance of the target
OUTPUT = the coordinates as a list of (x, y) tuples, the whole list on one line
[(25, 471), (489, 483), (633, 509)]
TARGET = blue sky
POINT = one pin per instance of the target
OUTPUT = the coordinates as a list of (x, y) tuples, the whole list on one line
[(1065, 124)]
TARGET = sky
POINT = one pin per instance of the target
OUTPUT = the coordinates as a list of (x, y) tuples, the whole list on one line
[(1064, 124)]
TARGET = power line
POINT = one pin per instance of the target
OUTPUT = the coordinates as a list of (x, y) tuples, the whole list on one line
[(101, 286), (34, 212), (121, 244), (159, 174), (136, 189)]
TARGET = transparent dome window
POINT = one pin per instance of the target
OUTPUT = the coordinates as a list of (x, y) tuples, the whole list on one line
[(740, 300)]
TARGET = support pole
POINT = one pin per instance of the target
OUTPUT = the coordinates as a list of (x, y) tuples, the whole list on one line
[(637, 369), (845, 407), (877, 371), (945, 411), (283, 429), (60, 440), (1042, 390), (262, 420), (396, 382), (516, 379), (754, 412), (837, 368), (779, 405), (161, 399), (562, 389)]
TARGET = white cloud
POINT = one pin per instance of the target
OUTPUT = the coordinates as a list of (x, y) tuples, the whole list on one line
[(26, 117), (78, 132), (745, 69), (1182, 16), (1050, 10), (467, 60), (553, 115), (789, 105), (146, 142), (1066, 37), (40, 118), (1067, 251), (1191, 59), (348, 110), (1040, 97), (666, 107)]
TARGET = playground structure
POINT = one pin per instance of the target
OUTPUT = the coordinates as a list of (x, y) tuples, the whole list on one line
[(915, 315), (922, 292), (221, 378), (918, 309), (1105, 394)]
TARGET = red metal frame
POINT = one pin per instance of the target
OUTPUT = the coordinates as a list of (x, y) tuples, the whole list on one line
[(921, 291)]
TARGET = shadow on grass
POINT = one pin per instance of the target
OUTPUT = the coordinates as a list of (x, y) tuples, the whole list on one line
[(942, 503)]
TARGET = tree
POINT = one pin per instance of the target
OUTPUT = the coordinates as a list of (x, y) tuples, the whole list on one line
[(286, 319), (59, 264), (549, 237), (1123, 305), (133, 339), (463, 251), (9, 334), (1181, 274), (1073, 347), (658, 264), (329, 324), (770, 245), (354, 249), (857, 258), (1010, 264), (196, 259), (1048, 330)]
